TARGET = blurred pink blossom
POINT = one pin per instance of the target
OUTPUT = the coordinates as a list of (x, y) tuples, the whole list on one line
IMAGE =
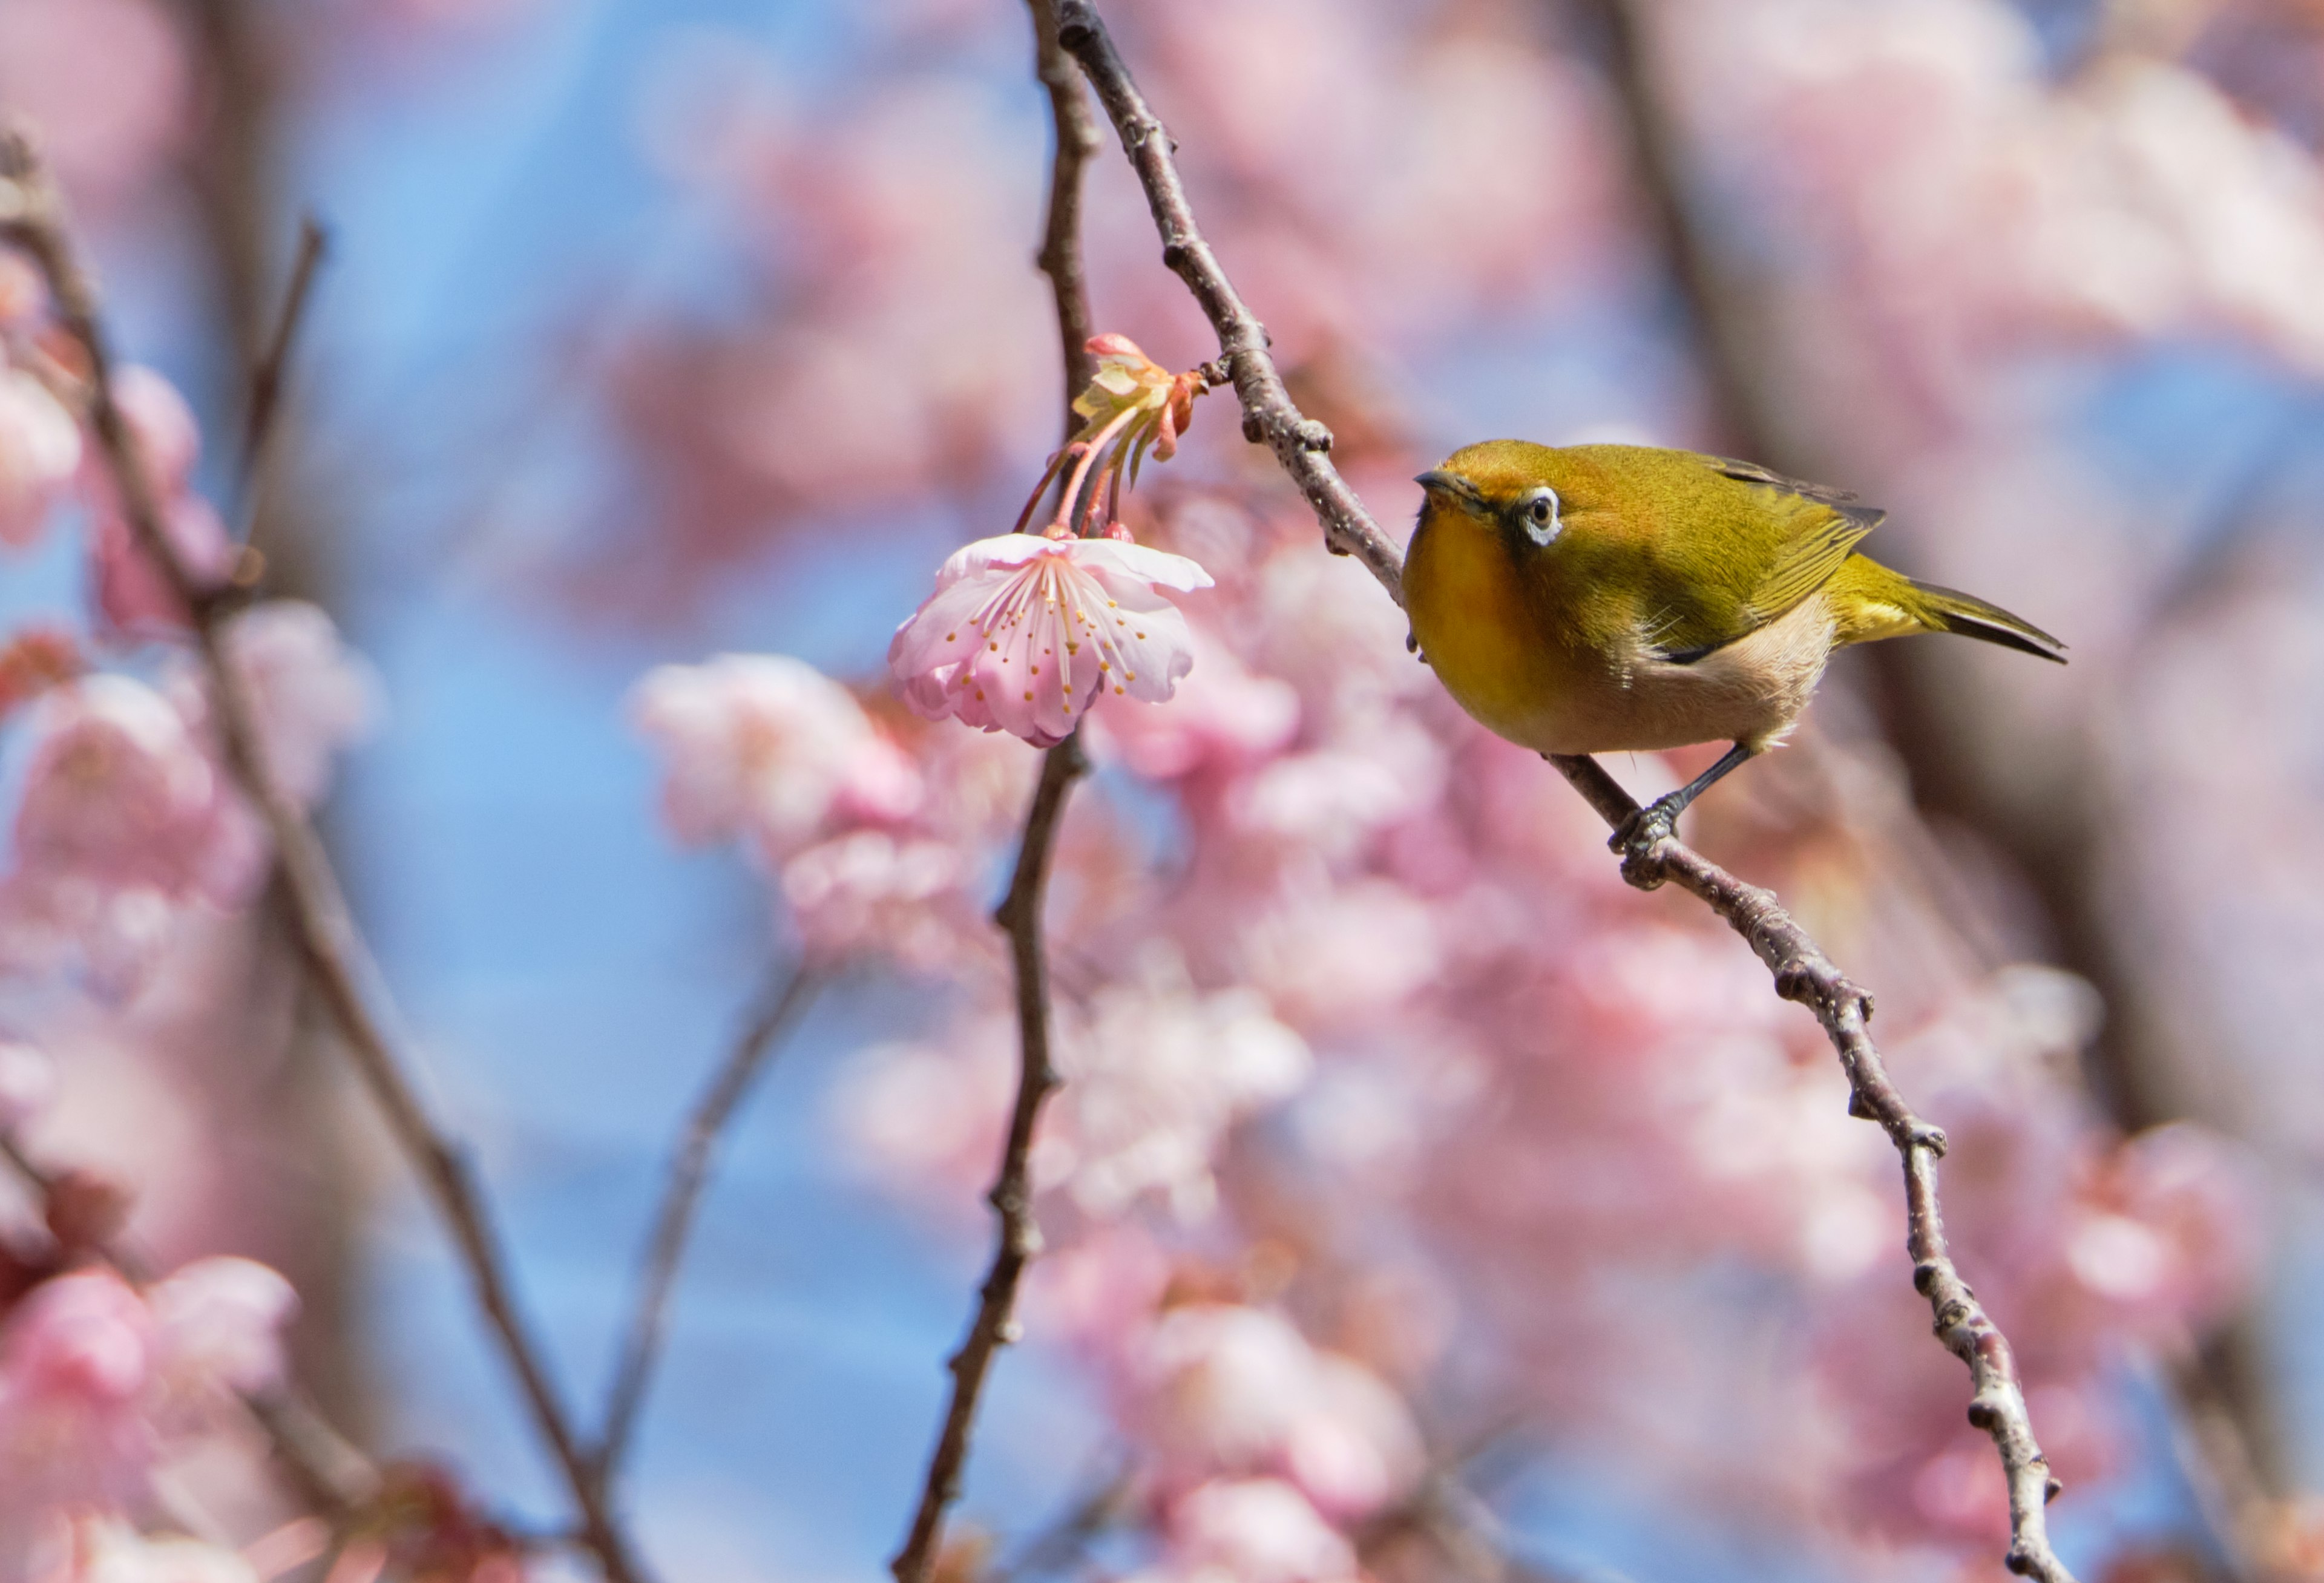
[(27, 1079), (1155, 1076), (40, 452), (102, 82), (133, 595), (1251, 1530), (96, 1381), (770, 750), (871, 892), (1220, 1388), (313, 696), (106, 1551), (119, 789), (1076, 618)]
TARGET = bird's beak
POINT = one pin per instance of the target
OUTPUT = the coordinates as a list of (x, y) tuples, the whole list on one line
[(1438, 481)]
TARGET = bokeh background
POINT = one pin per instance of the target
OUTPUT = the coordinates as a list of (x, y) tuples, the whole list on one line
[(1429, 1196)]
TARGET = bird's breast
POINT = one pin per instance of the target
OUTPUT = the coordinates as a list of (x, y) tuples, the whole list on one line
[(1543, 684)]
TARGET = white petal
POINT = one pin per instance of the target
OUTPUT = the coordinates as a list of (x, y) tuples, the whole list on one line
[(1112, 558)]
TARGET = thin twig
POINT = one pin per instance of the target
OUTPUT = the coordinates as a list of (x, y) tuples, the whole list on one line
[(1075, 143), (995, 1325), (1802, 970), (328, 1472), (333, 952), (267, 377), (781, 1005)]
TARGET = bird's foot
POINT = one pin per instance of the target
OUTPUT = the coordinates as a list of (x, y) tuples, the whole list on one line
[(1640, 840)]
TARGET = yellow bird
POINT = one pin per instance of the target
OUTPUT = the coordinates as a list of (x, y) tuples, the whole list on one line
[(1604, 598)]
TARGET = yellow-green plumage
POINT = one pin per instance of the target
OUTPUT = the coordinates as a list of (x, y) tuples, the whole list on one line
[(1599, 598)]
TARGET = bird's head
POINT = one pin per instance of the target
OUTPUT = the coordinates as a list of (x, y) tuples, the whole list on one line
[(1526, 494)]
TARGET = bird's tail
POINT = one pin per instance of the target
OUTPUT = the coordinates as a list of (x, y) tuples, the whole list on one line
[(1948, 610)]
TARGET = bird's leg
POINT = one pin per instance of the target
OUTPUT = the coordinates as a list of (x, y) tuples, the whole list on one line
[(1637, 836)]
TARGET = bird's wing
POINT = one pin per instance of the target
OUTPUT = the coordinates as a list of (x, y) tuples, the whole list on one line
[(1805, 546)]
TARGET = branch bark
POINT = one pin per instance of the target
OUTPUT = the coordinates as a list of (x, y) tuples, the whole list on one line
[(781, 1006), (1803, 973), (328, 943), (1011, 1198)]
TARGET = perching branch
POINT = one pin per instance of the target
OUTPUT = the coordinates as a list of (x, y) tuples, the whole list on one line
[(995, 1325), (781, 1006), (1802, 970), (333, 951), (326, 1472)]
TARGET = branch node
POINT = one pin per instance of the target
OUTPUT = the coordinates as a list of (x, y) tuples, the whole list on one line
[(1925, 1276), (1312, 436)]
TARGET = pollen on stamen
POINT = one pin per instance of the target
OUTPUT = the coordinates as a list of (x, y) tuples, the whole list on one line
[(1141, 634), (1117, 691), (1028, 697)]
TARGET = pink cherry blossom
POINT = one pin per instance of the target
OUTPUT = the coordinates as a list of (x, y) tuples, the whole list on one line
[(106, 1551), (76, 1360), (312, 695), (27, 1079), (169, 438), (1255, 1531), (1026, 634), (217, 1326), (1227, 1388), (133, 594), (769, 749), (1157, 1076), (869, 892), (119, 789), (40, 451)]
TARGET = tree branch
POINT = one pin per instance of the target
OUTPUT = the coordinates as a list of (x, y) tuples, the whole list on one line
[(31, 215), (780, 1005), (1075, 143), (1802, 970), (267, 375), (1019, 913)]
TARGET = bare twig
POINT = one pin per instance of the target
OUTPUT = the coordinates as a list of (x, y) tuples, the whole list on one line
[(31, 216), (1803, 973), (995, 1325), (780, 1005), (267, 376), (322, 1466), (1075, 134)]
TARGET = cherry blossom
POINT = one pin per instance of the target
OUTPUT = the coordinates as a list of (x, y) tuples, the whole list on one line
[(769, 749), (104, 1551), (313, 698), (27, 1079), (40, 451), (1026, 634), (1253, 1531)]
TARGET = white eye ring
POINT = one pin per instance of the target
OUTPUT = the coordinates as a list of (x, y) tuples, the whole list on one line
[(1541, 516)]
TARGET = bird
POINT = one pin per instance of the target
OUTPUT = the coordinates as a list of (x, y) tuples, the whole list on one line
[(1608, 598)]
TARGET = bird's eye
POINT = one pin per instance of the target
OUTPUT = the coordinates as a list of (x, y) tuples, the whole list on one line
[(1541, 517)]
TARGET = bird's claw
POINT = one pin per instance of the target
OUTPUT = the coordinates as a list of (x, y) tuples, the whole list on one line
[(1638, 839)]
